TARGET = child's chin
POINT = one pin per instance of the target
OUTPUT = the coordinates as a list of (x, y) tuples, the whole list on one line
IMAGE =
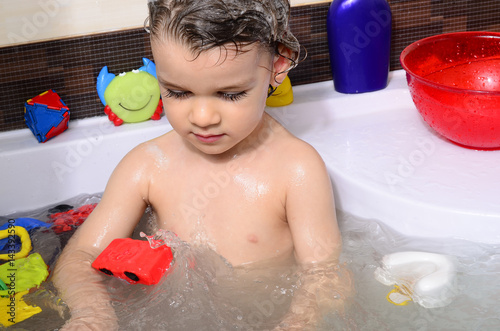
[(212, 149)]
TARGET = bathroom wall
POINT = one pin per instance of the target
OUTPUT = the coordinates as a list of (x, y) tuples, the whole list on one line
[(23, 21), (84, 38)]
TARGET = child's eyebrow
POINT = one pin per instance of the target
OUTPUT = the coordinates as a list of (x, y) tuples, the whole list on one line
[(235, 86), (165, 83)]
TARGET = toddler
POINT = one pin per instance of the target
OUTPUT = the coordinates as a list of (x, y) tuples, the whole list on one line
[(228, 173)]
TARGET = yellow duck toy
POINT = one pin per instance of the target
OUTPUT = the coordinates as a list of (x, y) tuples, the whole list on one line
[(282, 96)]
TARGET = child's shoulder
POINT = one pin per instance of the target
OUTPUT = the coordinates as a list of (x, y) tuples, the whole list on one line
[(292, 146), (149, 152), (300, 167), (163, 142), (294, 153)]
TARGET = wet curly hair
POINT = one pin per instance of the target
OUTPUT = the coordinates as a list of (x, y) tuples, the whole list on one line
[(205, 24)]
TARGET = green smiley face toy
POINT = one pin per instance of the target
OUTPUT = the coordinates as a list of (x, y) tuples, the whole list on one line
[(132, 96)]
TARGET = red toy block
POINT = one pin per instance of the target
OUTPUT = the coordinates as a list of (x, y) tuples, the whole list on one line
[(134, 261)]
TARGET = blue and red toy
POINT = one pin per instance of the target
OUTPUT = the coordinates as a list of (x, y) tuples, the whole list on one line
[(46, 115), (134, 261)]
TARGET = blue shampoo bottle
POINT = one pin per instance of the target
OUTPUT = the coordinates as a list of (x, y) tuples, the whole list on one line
[(359, 40)]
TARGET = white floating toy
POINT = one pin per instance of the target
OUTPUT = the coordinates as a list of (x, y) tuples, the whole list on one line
[(428, 279)]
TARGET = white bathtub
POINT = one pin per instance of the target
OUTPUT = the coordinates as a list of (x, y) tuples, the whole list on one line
[(385, 162)]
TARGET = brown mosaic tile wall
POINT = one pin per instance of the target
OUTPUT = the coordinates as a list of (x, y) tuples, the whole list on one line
[(70, 66)]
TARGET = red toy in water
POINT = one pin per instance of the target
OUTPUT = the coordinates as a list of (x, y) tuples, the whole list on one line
[(71, 219), (134, 261)]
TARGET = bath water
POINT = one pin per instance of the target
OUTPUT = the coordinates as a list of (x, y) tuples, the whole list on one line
[(202, 291), (474, 306)]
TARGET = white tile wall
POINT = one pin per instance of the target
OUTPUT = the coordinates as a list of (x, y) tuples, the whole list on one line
[(24, 21)]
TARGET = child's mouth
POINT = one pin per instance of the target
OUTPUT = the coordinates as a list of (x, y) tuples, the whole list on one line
[(208, 138)]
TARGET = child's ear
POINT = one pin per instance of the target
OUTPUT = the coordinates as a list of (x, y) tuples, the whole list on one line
[(281, 64)]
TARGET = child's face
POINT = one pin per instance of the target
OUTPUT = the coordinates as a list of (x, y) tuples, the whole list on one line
[(215, 100)]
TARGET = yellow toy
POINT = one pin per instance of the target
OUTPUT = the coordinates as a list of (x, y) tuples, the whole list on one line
[(16, 231), (17, 277), (282, 96), (399, 296), (15, 310), (23, 274)]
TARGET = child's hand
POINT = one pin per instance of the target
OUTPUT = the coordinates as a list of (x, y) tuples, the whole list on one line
[(304, 321), (325, 287), (91, 323)]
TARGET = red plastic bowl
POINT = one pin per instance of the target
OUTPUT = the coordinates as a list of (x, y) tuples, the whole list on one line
[(454, 80)]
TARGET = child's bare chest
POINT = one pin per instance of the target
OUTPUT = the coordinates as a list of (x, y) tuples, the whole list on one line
[(240, 213)]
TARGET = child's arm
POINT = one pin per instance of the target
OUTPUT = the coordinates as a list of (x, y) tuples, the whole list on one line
[(310, 209), (116, 216)]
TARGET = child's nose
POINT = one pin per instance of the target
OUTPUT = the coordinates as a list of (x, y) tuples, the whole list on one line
[(204, 114)]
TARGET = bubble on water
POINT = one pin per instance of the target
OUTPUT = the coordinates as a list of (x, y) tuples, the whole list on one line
[(163, 237)]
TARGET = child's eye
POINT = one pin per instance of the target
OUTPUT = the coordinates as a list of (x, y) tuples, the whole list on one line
[(184, 94), (232, 96), (176, 94)]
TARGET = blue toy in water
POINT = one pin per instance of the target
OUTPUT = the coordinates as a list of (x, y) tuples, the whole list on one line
[(26, 222), (29, 224)]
